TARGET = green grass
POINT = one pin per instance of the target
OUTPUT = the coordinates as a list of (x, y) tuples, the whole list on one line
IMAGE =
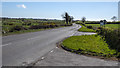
[(21, 32), (114, 26), (27, 31), (84, 29), (18, 26), (89, 44)]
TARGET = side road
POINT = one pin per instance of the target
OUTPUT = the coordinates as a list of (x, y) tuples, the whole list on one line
[(60, 57)]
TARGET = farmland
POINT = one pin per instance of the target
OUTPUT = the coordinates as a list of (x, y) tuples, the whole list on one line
[(114, 26), (23, 25)]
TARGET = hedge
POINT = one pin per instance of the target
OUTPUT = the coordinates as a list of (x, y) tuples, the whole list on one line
[(112, 36)]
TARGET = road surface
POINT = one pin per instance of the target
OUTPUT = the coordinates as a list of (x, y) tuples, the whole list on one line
[(29, 47), (60, 57)]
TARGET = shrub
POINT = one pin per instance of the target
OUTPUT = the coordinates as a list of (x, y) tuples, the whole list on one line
[(111, 36), (36, 27), (90, 27), (84, 29), (17, 28), (26, 24), (99, 28), (83, 24), (52, 26)]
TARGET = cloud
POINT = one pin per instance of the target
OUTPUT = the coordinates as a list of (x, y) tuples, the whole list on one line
[(21, 6)]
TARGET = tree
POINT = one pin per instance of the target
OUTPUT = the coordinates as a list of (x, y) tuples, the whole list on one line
[(67, 18), (83, 19), (114, 18), (104, 21), (70, 19)]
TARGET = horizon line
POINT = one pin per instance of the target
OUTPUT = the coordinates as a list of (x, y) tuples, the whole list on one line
[(53, 18)]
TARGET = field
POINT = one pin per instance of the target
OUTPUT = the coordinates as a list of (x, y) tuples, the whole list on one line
[(114, 26), (23, 25), (89, 44)]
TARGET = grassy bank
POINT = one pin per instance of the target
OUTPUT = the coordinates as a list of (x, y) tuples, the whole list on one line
[(84, 29), (111, 33), (104, 44), (90, 44)]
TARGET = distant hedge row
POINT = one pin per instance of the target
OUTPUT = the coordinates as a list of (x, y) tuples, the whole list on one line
[(47, 26), (97, 22), (20, 27)]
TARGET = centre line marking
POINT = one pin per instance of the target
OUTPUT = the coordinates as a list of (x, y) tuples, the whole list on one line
[(42, 58), (6, 44)]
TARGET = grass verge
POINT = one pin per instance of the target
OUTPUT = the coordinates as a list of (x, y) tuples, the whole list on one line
[(21, 32), (84, 29), (27, 31), (89, 44)]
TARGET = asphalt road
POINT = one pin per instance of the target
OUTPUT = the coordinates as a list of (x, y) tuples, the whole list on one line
[(29, 47), (60, 57)]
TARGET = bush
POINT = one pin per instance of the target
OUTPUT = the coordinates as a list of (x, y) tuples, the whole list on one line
[(52, 26), (99, 28), (36, 27), (90, 27), (111, 36), (17, 28), (84, 29), (26, 24)]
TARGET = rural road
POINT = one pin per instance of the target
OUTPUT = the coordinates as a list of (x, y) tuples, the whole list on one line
[(25, 48), (40, 47)]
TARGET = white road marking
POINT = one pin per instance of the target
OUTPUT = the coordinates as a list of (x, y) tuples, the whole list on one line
[(7, 44), (24, 63), (28, 39), (42, 58), (56, 47), (116, 63), (51, 51), (72, 34), (65, 51), (32, 38)]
